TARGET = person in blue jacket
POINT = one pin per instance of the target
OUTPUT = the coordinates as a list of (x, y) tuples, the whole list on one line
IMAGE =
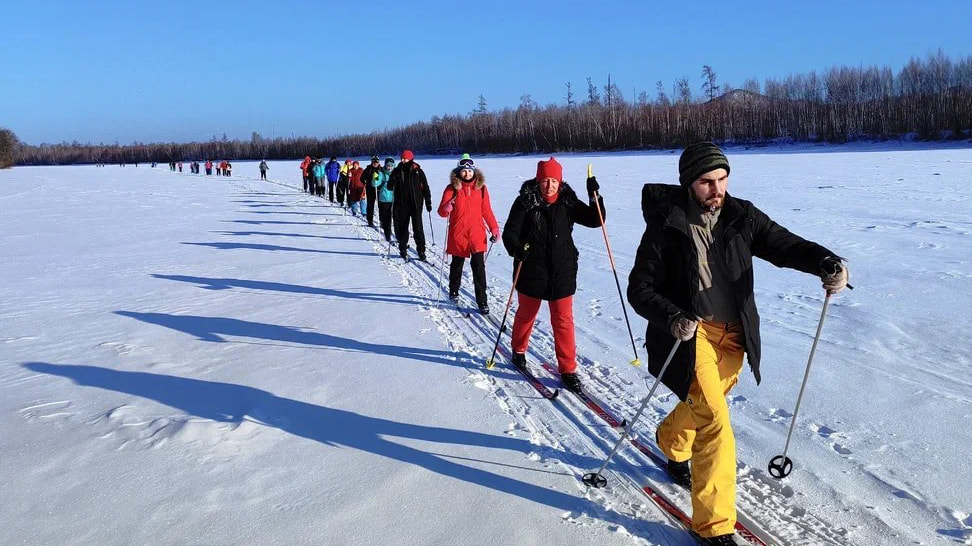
[(386, 197), (319, 174), (333, 171)]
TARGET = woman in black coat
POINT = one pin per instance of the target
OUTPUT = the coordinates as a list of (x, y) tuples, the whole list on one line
[(538, 234)]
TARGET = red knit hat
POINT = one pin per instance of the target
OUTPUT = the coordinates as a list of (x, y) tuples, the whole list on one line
[(550, 169), (408, 155)]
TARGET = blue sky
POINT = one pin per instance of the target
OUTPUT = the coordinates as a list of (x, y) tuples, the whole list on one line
[(188, 70)]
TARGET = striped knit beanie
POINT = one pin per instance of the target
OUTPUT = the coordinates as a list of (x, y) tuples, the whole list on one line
[(698, 159)]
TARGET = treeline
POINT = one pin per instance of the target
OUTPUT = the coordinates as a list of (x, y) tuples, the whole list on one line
[(929, 97), (9, 144)]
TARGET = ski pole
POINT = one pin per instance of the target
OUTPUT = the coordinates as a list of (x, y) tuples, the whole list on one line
[(624, 308), (781, 465), (431, 229), (595, 479), (489, 250), (445, 253), (491, 361)]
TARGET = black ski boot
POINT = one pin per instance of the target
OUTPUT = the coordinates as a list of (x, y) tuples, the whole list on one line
[(422, 257), (404, 254), (483, 308), (572, 382), (680, 473), (454, 296), (721, 540), (519, 360)]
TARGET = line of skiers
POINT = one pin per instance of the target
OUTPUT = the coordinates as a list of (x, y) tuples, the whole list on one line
[(692, 280), (223, 168)]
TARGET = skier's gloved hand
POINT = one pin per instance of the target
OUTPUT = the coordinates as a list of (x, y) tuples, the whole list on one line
[(683, 327), (494, 235), (592, 186), (834, 275), (448, 208), (428, 206), (520, 254)]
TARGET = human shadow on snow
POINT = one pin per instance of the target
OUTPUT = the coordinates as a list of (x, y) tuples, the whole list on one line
[(273, 222), (215, 328), (280, 234), (231, 403), (258, 246), (213, 283)]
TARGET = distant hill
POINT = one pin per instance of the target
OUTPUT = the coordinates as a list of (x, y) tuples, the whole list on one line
[(744, 97)]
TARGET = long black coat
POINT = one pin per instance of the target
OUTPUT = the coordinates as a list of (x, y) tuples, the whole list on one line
[(665, 278), (411, 187), (550, 269)]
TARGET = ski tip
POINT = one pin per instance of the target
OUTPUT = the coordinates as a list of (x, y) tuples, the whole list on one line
[(623, 424), (556, 393)]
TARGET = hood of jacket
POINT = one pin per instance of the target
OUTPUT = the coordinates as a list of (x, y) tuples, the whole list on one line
[(530, 194), (478, 177)]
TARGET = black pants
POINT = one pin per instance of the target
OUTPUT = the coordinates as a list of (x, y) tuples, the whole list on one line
[(372, 194), (402, 219), (479, 276), (330, 191), (306, 183), (263, 175), (385, 218), (342, 188)]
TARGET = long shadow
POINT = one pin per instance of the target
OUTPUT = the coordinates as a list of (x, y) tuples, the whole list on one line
[(212, 283), (230, 403), (289, 212), (257, 246), (277, 234), (214, 328), (273, 222)]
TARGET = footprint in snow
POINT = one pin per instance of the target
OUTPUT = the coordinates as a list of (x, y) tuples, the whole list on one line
[(841, 449)]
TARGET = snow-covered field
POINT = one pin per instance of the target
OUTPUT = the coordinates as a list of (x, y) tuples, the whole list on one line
[(191, 359)]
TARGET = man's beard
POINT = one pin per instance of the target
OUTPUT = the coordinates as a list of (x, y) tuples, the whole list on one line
[(712, 204)]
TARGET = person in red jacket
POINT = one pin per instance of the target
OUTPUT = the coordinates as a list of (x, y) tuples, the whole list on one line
[(304, 165), (356, 189), (465, 201)]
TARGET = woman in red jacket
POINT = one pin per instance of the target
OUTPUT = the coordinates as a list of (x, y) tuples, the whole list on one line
[(356, 189), (465, 202)]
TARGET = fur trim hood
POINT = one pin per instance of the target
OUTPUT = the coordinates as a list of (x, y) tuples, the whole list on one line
[(456, 182), (530, 194)]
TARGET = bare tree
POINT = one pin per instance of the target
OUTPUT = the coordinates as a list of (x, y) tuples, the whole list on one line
[(9, 143)]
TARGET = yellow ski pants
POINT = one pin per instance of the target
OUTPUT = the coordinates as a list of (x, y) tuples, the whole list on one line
[(699, 428)]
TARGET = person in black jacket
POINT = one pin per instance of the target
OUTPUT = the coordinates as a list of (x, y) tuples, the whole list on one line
[(411, 187), (370, 190), (693, 280), (543, 217)]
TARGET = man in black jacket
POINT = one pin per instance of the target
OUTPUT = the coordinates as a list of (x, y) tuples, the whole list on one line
[(411, 188), (693, 280)]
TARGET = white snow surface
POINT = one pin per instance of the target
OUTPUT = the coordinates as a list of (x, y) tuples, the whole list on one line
[(199, 360)]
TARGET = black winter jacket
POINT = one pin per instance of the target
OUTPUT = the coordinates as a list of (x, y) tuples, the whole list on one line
[(665, 278), (411, 187), (550, 269)]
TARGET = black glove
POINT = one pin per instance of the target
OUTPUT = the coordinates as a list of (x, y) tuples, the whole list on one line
[(834, 275), (492, 238), (521, 253), (428, 207), (592, 186)]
